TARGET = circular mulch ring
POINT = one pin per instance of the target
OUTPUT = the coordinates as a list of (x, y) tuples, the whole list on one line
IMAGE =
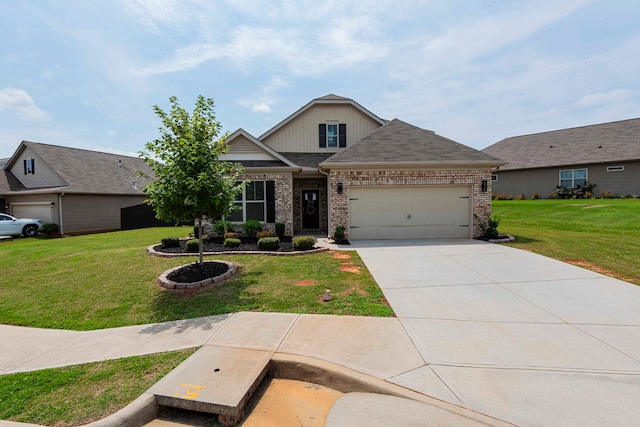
[(192, 276)]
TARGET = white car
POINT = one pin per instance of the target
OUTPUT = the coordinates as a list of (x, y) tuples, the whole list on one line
[(12, 226)]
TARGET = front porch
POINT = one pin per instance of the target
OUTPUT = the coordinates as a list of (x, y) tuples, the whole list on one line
[(310, 206)]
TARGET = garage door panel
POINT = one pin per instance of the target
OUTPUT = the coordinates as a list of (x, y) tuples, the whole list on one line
[(35, 211), (409, 212)]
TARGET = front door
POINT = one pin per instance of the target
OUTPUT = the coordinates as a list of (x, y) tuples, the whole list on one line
[(310, 209)]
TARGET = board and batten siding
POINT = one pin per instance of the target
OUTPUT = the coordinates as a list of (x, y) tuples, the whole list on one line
[(544, 181), (301, 134), (44, 175), (89, 213)]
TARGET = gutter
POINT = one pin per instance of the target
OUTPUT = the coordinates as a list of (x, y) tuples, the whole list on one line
[(60, 195)]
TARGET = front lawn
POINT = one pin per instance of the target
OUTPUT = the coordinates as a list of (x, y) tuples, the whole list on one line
[(599, 234), (108, 280)]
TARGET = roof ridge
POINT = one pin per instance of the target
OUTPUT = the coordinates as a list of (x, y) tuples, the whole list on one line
[(31, 143), (570, 128)]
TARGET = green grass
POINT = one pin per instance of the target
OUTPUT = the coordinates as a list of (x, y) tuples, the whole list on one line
[(108, 280), (600, 234), (81, 394)]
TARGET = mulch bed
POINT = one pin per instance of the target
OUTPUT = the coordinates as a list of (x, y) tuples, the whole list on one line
[(196, 272), (215, 244)]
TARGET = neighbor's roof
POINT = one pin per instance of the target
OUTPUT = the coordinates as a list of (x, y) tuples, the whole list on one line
[(330, 99), (398, 142), (601, 143), (85, 171)]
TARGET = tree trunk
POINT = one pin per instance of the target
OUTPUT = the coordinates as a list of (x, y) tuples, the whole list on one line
[(200, 246)]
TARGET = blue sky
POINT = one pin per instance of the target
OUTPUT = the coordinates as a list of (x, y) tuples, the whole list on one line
[(87, 73)]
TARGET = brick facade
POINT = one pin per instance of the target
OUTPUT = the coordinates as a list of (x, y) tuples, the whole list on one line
[(300, 184), (283, 191), (381, 178)]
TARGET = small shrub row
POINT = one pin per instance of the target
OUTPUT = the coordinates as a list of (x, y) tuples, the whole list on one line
[(170, 242), (268, 243), (303, 243), (231, 242), (267, 233), (50, 229)]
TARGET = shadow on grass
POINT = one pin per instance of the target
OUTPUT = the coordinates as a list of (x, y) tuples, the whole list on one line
[(218, 299)]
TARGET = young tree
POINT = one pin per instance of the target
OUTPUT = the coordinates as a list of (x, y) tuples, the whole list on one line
[(190, 181)]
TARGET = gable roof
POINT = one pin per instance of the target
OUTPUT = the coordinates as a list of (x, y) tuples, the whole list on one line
[(278, 159), (85, 171), (400, 143), (600, 143), (327, 99)]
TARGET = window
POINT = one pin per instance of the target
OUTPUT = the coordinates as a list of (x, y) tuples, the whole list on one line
[(29, 166), (257, 201), (573, 178), (332, 135), (615, 168), (494, 177)]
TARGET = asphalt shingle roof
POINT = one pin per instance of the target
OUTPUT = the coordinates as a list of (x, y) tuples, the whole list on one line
[(307, 160), (86, 171), (601, 143), (398, 142)]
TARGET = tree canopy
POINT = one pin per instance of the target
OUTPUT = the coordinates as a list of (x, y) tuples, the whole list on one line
[(190, 181)]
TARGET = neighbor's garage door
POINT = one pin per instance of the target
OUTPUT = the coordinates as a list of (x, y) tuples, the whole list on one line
[(35, 211), (409, 212)]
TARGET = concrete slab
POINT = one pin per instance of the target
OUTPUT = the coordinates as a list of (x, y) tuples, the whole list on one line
[(624, 338), (216, 380), (19, 345), (465, 302), (394, 272), (258, 331), (372, 345), (601, 300), (521, 345), (93, 346), (543, 398), (521, 266), (366, 409), (425, 381)]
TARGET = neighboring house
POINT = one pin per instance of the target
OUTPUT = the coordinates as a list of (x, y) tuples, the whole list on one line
[(80, 190), (607, 155), (334, 163)]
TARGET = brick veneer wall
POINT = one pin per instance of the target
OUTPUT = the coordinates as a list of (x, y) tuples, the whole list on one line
[(369, 178), (283, 190), (300, 184)]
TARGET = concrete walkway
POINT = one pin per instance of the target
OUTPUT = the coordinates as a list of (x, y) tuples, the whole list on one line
[(512, 334), (503, 332)]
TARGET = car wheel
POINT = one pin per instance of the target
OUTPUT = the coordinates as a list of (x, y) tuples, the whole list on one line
[(30, 230)]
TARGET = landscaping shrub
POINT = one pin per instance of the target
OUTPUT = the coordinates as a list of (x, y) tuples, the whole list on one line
[(193, 245), (170, 242), (230, 235), (280, 229), (50, 229), (489, 227), (606, 194), (231, 243), (501, 196), (303, 243), (205, 238), (221, 226), (252, 227), (268, 243), (580, 192), (535, 196), (520, 197), (267, 233), (338, 234)]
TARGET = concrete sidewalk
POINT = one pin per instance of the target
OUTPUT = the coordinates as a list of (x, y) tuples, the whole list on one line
[(516, 335)]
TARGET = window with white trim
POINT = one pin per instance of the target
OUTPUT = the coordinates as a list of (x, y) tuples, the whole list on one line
[(615, 168), (251, 204), (572, 178), (494, 177)]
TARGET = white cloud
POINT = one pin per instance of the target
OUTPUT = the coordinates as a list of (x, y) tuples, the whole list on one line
[(601, 98), (22, 103), (112, 133), (154, 13), (261, 108)]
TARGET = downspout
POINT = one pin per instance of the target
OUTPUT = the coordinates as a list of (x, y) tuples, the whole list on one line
[(329, 228), (60, 213)]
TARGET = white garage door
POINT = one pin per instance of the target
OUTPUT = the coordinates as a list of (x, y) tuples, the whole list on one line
[(409, 212), (33, 211)]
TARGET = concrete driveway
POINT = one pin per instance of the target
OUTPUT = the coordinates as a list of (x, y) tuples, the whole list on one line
[(516, 335)]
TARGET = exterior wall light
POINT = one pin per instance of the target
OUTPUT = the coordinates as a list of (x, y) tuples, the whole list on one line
[(340, 188), (484, 186)]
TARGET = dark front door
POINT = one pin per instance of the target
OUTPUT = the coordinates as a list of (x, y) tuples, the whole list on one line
[(310, 209)]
